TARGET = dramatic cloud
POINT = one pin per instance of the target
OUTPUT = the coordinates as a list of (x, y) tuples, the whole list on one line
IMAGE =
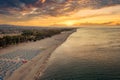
[(50, 7), (22, 10)]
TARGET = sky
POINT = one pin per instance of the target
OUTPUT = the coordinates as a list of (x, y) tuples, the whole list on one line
[(60, 12)]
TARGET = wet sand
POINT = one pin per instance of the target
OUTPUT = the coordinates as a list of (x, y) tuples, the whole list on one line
[(34, 68)]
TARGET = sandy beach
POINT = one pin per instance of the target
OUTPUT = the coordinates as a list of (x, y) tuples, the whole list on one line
[(34, 67)]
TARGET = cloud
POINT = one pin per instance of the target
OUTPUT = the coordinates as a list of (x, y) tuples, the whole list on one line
[(50, 7), (60, 12)]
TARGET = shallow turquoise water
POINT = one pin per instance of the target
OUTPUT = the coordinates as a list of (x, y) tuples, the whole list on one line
[(88, 54)]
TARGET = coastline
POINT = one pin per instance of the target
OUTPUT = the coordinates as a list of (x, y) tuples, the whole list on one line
[(34, 68), (88, 54)]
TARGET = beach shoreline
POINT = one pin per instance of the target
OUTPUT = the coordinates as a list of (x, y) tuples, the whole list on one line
[(34, 68)]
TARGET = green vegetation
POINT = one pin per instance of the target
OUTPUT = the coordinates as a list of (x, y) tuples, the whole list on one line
[(29, 35)]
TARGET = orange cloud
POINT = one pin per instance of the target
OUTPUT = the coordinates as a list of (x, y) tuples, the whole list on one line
[(87, 16)]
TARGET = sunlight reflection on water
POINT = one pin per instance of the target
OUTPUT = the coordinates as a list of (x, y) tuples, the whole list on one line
[(88, 54)]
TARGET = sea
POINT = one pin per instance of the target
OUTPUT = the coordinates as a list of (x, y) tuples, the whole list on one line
[(90, 53)]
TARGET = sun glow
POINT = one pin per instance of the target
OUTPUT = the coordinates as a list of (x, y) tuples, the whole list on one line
[(102, 16), (69, 23)]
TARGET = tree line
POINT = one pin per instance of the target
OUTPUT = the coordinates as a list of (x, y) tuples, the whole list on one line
[(29, 35)]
